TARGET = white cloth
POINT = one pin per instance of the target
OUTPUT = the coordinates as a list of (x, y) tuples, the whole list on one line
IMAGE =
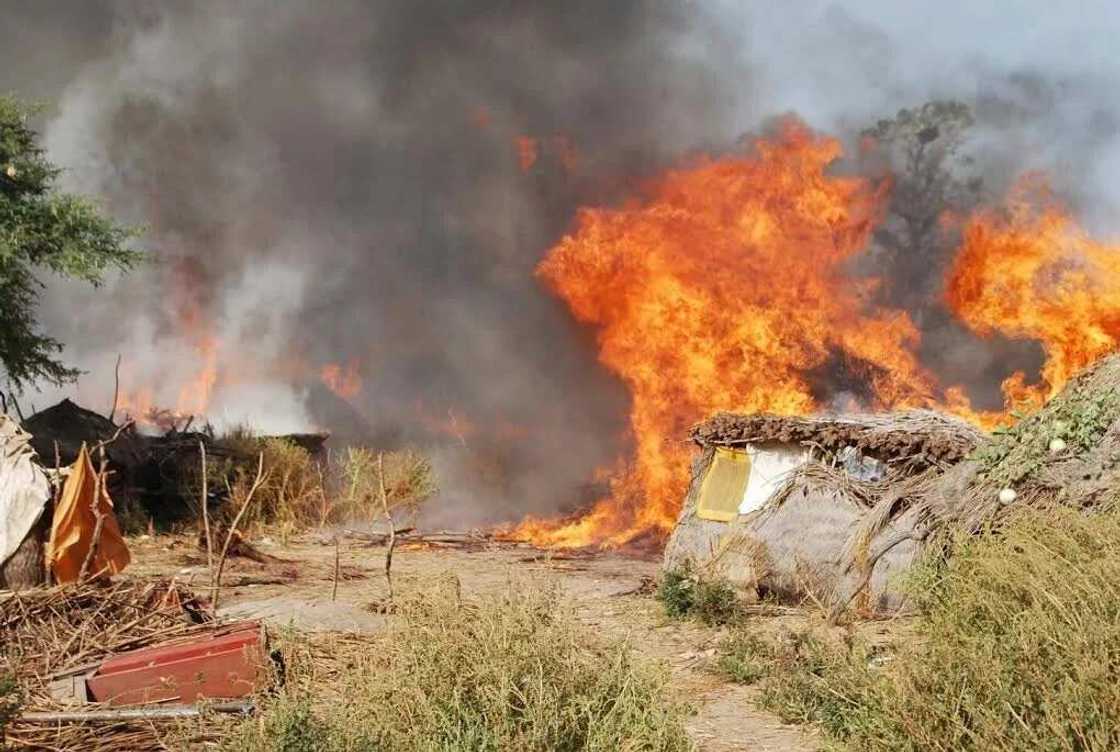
[(771, 465), (24, 489)]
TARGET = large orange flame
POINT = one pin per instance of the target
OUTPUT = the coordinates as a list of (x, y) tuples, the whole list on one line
[(1030, 272), (726, 289)]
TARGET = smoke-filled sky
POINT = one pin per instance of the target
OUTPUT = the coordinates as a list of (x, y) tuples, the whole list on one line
[(339, 182)]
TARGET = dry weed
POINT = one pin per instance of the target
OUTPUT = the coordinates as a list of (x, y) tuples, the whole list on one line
[(513, 672)]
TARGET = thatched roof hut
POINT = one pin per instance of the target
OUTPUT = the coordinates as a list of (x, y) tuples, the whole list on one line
[(64, 427), (150, 474), (782, 505)]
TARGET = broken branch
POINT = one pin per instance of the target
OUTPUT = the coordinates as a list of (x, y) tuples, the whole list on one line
[(216, 582)]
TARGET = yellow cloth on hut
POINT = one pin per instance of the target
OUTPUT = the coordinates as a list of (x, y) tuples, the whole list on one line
[(721, 493), (74, 523)]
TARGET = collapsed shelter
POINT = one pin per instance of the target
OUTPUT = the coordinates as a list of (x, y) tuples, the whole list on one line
[(792, 506)]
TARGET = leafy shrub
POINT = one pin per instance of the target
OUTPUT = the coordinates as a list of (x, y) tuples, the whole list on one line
[(685, 593), (1079, 416), (745, 658), (513, 672)]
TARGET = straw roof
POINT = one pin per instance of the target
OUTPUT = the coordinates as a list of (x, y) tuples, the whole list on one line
[(922, 437), (67, 426)]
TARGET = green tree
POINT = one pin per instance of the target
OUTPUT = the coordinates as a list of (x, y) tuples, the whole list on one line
[(43, 231), (920, 149)]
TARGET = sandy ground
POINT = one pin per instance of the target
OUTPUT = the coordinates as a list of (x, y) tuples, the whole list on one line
[(606, 588)]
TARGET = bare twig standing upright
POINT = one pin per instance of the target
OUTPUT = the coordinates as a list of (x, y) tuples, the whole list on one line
[(100, 491), (206, 511), (216, 580), (99, 518), (334, 587), (116, 387), (389, 519)]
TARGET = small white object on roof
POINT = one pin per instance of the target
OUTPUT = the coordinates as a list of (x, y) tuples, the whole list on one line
[(861, 467), (24, 489), (771, 465), (1007, 495), (1057, 445)]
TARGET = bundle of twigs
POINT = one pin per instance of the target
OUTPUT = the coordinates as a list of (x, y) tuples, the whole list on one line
[(57, 629), (52, 633)]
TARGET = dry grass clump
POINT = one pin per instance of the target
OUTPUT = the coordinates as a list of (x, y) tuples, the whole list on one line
[(513, 672), (1018, 647), (409, 481), (292, 496), (300, 491)]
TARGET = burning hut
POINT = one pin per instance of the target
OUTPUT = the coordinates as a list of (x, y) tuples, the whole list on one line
[(151, 477), (792, 506)]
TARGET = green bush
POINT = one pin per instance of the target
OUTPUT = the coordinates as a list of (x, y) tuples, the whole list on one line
[(1017, 648), (515, 672), (745, 658), (686, 594)]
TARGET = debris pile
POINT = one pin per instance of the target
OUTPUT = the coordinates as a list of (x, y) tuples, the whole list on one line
[(59, 642)]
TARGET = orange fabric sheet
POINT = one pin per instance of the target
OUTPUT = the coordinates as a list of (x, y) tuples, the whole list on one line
[(73, 527)]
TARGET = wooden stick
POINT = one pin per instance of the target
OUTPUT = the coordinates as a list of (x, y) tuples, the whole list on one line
[(15, 404), (334, 587), (116, 387), (216, 582), (242, 707), (99, 519), (205, 511), (389, 519)]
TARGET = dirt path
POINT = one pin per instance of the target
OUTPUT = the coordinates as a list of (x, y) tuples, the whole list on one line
[(605, 589)]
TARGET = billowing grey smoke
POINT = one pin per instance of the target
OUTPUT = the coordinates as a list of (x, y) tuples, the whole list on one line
[(340, 183)]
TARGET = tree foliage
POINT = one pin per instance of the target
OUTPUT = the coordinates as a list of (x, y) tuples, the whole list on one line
[(920, 149), (43, 231)]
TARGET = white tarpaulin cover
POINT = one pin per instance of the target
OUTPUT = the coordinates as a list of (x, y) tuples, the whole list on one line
[(771, 465), (24, 489)]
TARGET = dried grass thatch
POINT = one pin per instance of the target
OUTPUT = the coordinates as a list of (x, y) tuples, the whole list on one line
[(920, 438)]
